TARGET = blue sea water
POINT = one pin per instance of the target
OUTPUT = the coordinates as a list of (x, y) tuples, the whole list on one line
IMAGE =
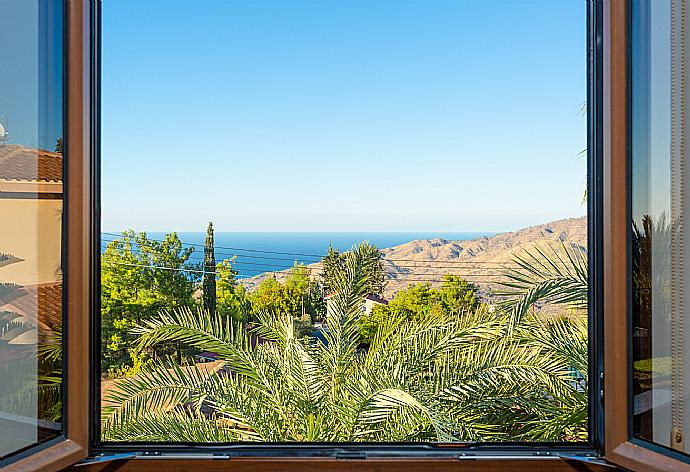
[(257, 253)]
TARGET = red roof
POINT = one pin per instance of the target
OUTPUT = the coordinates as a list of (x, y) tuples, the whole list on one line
[(23, 163), (41, 304)]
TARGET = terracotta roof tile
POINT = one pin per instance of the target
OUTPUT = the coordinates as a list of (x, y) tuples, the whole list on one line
[(24, 163), (41, 304)]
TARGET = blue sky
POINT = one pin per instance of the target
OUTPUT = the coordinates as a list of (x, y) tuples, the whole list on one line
[(342, 116), (31, 77)]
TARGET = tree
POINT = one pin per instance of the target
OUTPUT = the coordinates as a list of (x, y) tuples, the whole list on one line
[(413, 304), (139, 277), (334, 261), (231, 297), (558, 275), (271, 296), (444, 378), (209, 289), (456, 296), (300, 296), (299, 284), (331, 262)]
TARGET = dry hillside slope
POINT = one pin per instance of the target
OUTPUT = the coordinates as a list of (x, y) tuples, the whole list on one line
[(480, 260)]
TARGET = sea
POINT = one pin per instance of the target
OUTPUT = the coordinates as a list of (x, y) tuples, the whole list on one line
[(256, 253)]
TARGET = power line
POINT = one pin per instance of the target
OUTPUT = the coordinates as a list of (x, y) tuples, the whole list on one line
[(438, 278), (145, 266), (257, 272), (434, 264), (238, 249), (235, 254), (281, 267)]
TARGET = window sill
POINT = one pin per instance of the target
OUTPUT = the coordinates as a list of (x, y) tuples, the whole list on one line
[(273, 464)]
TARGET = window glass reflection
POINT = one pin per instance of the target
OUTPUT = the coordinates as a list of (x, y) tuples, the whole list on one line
[(31, 207), (659, 254)]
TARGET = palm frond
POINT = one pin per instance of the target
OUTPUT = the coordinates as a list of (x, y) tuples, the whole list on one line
[(557, 275), (383, 406), (180, 426), (461, 377), (160, 387), (196, 328)]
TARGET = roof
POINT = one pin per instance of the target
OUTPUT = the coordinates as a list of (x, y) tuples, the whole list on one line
[(20, 163), (375, 298), (39, 304)]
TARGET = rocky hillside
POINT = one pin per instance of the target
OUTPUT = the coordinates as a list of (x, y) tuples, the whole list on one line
[(480, 260)]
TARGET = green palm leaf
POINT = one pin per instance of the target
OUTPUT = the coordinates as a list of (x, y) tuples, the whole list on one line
[(557, 275)]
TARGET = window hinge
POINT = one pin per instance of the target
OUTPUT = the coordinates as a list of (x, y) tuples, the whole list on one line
[(108, 458), (149, 455), (589, 459)]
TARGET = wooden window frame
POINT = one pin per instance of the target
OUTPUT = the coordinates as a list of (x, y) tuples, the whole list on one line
[(81, 209), (620, 447), (73, 444), (542, 457)]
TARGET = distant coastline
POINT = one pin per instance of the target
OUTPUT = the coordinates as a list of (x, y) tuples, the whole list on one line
[(481, 260), (266, 252), (409, 257)]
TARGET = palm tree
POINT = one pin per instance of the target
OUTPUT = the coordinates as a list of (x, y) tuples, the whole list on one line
[(446, 377), (555, 275)]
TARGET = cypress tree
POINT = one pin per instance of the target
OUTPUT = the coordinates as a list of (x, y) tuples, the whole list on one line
[(209, 271)]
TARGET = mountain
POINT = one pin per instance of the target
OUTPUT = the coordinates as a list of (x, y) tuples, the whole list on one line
[(480, 260)]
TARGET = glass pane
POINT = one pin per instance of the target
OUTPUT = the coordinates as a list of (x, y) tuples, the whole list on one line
[(659, 247), (31, 205), (375, 171)]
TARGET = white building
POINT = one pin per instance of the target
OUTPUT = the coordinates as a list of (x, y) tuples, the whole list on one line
[(367, 303)]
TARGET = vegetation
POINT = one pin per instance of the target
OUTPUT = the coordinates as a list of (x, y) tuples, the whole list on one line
[(334, 261), (299, 297), (456, 296), (232, 299), (451, 369), (554, 274), (209, 271), (140, 277)]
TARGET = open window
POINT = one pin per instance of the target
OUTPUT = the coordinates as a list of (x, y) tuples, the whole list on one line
[(45, 210), (334, 302), (50, 287), (645, 121)]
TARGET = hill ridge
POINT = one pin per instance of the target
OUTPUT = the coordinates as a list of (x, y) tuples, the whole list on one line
[(478, 260)]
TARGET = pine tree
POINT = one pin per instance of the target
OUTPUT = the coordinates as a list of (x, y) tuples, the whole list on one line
[(209, 271), (331, 262)]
